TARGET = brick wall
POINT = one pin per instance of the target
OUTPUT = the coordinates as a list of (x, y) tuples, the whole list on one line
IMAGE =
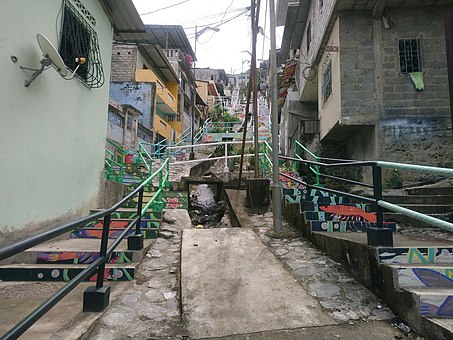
[(357, 67), (124, 59), (416, 125), (411, 126)]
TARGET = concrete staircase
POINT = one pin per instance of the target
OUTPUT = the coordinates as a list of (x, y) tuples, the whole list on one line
[(63, 259), (416, 277)]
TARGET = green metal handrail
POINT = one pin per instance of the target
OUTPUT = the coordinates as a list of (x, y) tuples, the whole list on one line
[(142, 152), (163, 183), (118, 150), (315, 170)]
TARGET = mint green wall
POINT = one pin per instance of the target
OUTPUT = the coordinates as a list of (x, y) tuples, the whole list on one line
[(52, 134)]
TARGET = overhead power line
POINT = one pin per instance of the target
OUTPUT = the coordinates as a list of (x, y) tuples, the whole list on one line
[(161, 9)]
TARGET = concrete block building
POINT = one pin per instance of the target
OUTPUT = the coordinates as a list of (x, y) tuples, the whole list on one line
[(371, 78)]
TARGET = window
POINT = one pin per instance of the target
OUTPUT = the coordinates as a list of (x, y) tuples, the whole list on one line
[(410, 55), (79, 40), (115, 119), (308, 36), (326, 80), (142, 134), (129, 122)]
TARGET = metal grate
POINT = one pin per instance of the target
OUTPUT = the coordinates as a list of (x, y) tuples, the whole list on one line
[(410, 55), (79, 40), (326, 80)]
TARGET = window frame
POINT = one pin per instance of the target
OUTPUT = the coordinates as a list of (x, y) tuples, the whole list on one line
[(408, 63), (326, 81)]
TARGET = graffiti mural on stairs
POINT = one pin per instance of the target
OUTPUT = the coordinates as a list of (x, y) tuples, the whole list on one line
[(67, 257), (426, 277), (348, 213), (436, 305), (416, 255)]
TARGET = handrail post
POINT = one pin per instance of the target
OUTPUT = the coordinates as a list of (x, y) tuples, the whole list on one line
[(379, 236), (96, 298), (135, 241), (225, 168)]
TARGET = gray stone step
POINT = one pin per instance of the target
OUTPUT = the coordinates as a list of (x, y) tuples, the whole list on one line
[(420, 199), (430, 191)]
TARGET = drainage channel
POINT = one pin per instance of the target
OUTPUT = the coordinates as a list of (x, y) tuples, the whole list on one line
[(206, 210)]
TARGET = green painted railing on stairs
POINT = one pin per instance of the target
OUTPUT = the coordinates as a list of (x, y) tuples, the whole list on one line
[(377, 199), (134, 243), (299, 147)]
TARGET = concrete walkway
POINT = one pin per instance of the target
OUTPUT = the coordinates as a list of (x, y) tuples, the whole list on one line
[(232, 284)]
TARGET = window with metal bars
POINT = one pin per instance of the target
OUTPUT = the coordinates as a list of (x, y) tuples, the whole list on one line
[(326, 80), (79, 40), (410, 55)]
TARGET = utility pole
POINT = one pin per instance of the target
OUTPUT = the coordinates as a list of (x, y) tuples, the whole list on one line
[(276, 192), (255, 87), (192, 123), (251, 86)]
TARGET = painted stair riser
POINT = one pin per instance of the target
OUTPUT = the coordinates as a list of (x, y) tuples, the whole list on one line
[(306, 192), (342, 226), (312, 206), (356, 216), (123, 225), (320, 200), (413, 255), (156, 215), (85, 257), (426, 277), (113, 234), (436, 306), (62, 274)]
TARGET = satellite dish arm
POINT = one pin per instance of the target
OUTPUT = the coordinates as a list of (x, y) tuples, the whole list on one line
[(45, 62)]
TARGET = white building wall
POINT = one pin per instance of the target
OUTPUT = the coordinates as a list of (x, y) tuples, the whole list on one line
[(52, 134)]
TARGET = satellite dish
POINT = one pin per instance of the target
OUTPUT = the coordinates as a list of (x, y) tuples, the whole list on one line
[(51, 57), (50, 52)]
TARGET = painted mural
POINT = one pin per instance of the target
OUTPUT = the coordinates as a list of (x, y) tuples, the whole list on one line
[(436, 305), (416, 255), (313, 206), (62, 274), (347, 213), (346, 226), (425, 277), (113, 234), (67, 257)]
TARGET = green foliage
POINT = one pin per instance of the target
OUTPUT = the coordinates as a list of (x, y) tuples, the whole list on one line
[(331, 150), (220, 114), (394, 181)]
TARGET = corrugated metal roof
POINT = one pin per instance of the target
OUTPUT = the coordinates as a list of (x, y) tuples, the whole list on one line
[(124, 18), (158, 60), (169, 37)]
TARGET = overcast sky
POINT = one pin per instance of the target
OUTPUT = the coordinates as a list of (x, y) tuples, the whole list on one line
[(221, 49)]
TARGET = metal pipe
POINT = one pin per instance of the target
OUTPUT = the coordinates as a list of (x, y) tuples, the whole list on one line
[(139, 211), (103, 251), (417, 215), (377, 189), (276, 191)]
